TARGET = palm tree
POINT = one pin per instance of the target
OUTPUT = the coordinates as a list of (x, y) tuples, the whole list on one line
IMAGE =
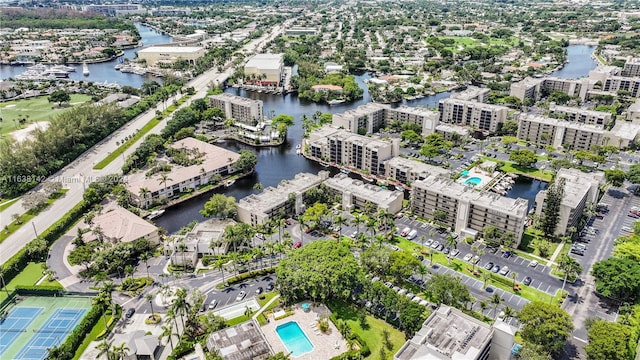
[(105, 349), (121, 351), (163, 179), (144, 192), (103, 299), (422, 270), (486, 276), (508, 312), (339, 220), (167, 332), (180, 304), (570, 267), (145, 256), (303, 224), (281, 224), (357, 220), (483, 306), (514, 276), (496, 300), (149, 297), (451, 242)]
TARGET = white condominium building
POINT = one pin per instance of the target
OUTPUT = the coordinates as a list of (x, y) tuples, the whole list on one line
[(481, 116), (365, 119), (542, 130), (346, 149), (284, 200), (466, 210), (578, 115), (579, 190), (407, 170), (355, 194), (241, 109)]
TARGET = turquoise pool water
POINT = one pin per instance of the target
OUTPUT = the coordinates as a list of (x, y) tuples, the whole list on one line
[(294, 339), (464, 173), (474, 181)]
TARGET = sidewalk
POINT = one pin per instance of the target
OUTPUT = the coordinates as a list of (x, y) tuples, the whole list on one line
[(556, 253)]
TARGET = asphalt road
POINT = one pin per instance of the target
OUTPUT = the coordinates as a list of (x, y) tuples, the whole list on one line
[(78, 174)]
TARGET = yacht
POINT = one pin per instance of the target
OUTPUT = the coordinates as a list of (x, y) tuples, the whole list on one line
[(298, 146), (344, 171), (324, 164), (85, 69), (155, 214), (229, 183)]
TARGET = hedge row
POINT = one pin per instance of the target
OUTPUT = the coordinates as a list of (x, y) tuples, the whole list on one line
[(111, 323), (248, 275), (36, 290), (19, 261), (183, 348)]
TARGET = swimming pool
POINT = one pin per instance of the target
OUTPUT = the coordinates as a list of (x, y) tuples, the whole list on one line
[(473, 181), (294, 339), (465, 173)]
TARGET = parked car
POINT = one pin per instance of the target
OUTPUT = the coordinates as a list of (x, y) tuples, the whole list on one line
[(446, 250), (454, 252), (259, 290), (467, 257), (213, 304), (270, 286), (241, 295), (475, 259), (412, 234), (495, 269), (504, 271), (435, 244), (130, 313), (506, 254), (405, 231), (428, 242), (489, 266), (533, 263), (527, 281), (297, 244)]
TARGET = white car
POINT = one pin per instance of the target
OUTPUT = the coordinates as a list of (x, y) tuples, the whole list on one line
[(213, 304), (533, 263), (467, 257), (428, 242), (241, 295), (504, 271)]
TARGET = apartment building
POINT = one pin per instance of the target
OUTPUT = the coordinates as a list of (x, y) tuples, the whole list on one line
[(355, 194), (370, 118), (215, 162), (450, 334), (365, 119), (465, 210), (616, 83), (285, 199), (267, 69), (481, 116), (407, 170), (631, 68), (238, 108), (154, 55), (542, 130), (472, 93), (450, 131), (343, 148), (580, 189), (425, 118), (531, 88), (578, 115)]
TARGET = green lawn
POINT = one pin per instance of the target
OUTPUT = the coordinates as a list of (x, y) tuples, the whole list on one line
[(372, 333), (34, 109), (510, 167), (24, 218), (7, 203), (28, 277)]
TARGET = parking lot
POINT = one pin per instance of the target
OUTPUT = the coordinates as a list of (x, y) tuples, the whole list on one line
[(540, 275)]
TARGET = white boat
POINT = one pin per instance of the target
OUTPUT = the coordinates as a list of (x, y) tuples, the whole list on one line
[(56, 73), (85, 69), (345, 171), (229, 183), (335, 102), (298, 146), (368, 178), (399, 188), (66, 68), (298, 152), (155, 214), (324, 164)]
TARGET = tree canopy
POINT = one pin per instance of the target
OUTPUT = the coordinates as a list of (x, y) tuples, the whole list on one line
[(615, 177), (524, 157), (321, 270), (247, 161), (545, 325), (447, 289), (617, 278), (220, 206), (608, 341), (434, 145)]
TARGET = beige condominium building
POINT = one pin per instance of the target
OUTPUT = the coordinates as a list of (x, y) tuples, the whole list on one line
[(370, 118), (265, 69), (578, 115), (481, 116), (450, 334), (169, 54), (631, 68), (468, 211), (530, 88), (241, 109), (614, 84), (355, 194), (407, 170), (215, 163), (543, 130), (285, 199), (357, 152), (472, 93), (580, 189)]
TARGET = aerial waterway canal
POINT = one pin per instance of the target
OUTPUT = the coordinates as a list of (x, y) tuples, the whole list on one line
[(276, 164)]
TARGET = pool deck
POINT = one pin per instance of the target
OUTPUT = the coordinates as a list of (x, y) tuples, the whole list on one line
[(324, 345), (485, 178)]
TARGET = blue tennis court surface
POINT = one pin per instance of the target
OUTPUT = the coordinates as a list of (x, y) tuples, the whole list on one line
[(15, 324), (52, 333)]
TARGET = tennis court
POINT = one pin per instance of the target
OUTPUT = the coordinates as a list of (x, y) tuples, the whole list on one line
[(16, 322), (36, 324)]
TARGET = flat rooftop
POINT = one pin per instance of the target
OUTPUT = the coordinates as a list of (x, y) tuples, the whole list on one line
[(447, 333), (416, 167), (368, 192), (265, 61), (577, 185), (235, 99), (271, 197), (171, 49), (566, 124)]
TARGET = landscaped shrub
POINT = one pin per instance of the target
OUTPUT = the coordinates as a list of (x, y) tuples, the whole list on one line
[(111, 323), (183, 348), (248, 275)]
